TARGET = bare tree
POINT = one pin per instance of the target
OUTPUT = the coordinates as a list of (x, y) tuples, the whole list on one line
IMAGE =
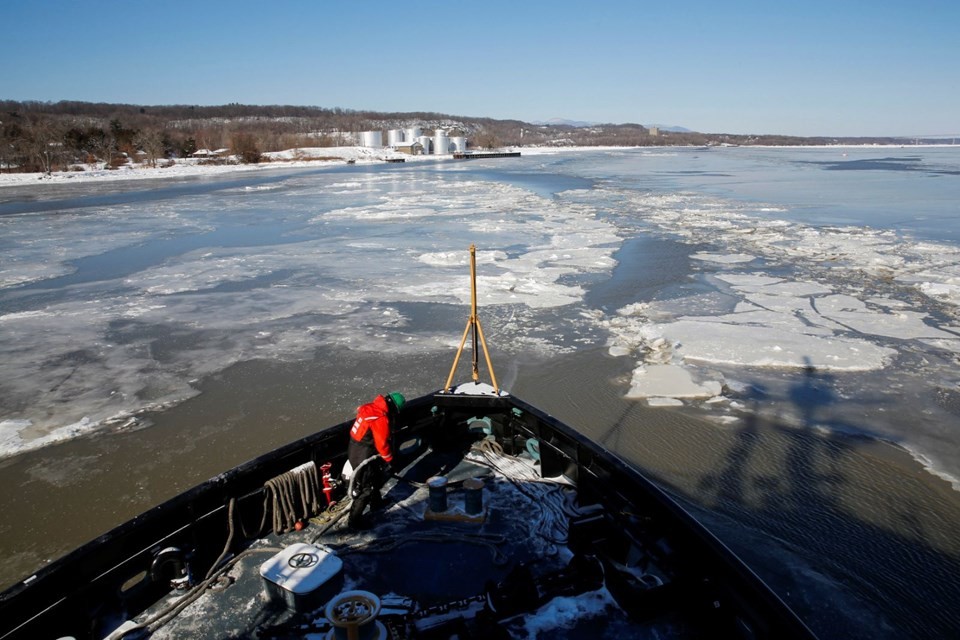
[(245, 146), (10, 134), (150, 141), (486, 140), (42, 140), (104, 145)]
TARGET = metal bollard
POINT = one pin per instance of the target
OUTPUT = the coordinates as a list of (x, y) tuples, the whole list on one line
[(438, 493), (473, 496)]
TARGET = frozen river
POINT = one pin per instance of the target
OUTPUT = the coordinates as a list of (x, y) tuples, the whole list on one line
[(772, 333)]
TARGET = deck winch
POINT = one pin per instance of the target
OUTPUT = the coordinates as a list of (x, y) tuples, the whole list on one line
[(353, 615)]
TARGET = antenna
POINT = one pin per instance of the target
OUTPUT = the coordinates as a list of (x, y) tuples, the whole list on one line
[(473, 326)]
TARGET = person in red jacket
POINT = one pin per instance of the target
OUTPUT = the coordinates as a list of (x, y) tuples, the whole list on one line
[(370, 452)]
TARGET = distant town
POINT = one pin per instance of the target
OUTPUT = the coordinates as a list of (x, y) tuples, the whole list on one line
[(66, 135)]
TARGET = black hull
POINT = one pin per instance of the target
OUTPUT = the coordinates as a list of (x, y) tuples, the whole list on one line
[(112, 578)]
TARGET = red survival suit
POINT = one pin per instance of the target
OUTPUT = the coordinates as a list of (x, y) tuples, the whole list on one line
[(370, 432), (369, 436)]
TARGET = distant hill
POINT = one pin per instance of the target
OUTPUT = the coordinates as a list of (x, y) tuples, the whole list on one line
[(581, 124), (667, 127), (41, 135), (564, 122)]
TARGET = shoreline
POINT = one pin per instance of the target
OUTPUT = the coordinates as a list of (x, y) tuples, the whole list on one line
[(315, 157), (312, 157)]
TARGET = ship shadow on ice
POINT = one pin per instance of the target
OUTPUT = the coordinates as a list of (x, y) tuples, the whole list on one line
[(814, 492), (835, 520)]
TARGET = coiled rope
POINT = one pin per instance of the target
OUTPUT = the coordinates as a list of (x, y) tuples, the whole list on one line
[(292, 496), (553, 501)]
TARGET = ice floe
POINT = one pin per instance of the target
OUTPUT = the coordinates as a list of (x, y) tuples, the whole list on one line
[(669, 381), (112, 341), (724, 258), (777, 322)]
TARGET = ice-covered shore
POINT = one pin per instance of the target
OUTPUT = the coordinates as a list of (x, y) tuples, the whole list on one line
[(302, 157), (186, 167), (290, 158)]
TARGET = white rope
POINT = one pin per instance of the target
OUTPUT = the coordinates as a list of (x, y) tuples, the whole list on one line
[(386, 543), (553, 500)]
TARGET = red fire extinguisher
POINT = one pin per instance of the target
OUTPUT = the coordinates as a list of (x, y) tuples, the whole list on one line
[(327, 485)]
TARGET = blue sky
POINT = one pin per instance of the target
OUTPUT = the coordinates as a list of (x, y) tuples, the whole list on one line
[(843, 67)]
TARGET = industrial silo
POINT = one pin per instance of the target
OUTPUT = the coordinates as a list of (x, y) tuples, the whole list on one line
[(427, 143), (412, 134), (371, 139), (394, 137), (459, 144), (441, 143)]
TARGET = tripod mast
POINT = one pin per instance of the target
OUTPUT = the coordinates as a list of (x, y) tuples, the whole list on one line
[(474, 328)]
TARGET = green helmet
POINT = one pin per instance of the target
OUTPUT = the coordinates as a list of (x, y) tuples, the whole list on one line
[(397, 399)]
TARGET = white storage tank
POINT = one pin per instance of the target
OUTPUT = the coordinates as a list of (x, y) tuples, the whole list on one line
[(427, 143), (394, 137), (441, 143), (371, 139), (459, 144), (412, 134)]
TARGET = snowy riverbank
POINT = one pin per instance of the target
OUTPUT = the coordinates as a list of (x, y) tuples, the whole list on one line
[(191, 167), (300, 157)]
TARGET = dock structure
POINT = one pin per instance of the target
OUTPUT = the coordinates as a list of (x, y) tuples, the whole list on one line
[(476, 155)]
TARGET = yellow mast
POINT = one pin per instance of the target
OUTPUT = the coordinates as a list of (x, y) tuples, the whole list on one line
[(473, 323)]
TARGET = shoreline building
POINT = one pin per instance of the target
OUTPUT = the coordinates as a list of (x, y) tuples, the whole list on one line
[(395, 137), (441, 143), (413, 141), (427, 143), (371, 139)]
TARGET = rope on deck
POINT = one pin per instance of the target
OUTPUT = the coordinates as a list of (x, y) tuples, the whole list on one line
[(554, 502), (292, 496), (173, 609), (384, 544)]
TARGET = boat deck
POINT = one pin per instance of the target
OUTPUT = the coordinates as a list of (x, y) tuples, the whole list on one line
[(433, 574)]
